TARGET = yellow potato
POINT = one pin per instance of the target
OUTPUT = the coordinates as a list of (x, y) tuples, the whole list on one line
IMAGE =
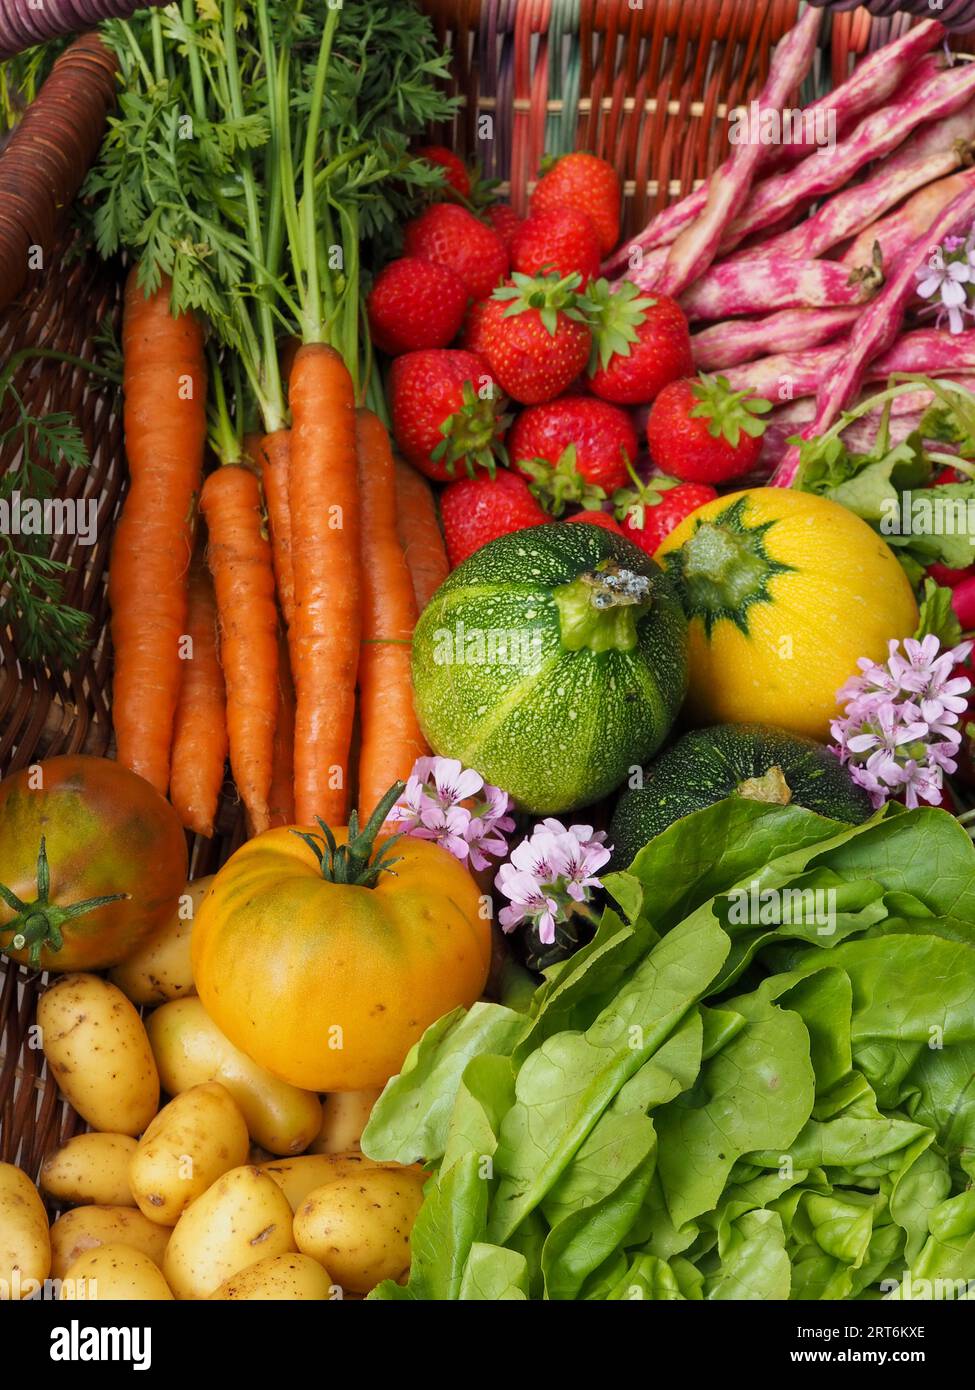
[(192, 1141), (160, 968), (98, 1051), (296, 1177), (243, 1218), (345, 1115), (90, 1168), (86, 1228), (359, 1227), (190, 1049), (115, 1272), (280, 1277), (25, 1245)]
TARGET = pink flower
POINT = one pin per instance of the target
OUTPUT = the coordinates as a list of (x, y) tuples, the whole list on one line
[(898, 733), (450, 804), (946, 280), (549, 875)]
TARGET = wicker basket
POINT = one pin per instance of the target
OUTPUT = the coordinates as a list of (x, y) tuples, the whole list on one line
[(645, 84)]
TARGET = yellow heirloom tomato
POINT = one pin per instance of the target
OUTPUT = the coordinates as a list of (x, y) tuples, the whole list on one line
[(783, 591), (324, 957)]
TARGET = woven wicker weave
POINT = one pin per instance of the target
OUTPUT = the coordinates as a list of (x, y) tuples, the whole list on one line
[(648, 87)]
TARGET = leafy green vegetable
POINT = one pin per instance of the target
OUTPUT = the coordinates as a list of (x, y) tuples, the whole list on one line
[(643, 1132)]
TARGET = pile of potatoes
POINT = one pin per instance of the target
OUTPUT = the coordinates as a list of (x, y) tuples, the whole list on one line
[(240, 1187)]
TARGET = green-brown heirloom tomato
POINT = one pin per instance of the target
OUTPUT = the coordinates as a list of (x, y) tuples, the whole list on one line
[(325, 964), (92, 859)]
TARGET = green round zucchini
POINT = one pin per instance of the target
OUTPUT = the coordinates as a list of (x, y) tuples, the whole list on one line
[(553, 661), (750, 760)]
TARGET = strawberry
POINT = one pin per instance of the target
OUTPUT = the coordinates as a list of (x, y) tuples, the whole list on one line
[(454, 237), (574, 448), (641, 343), (562, 239), (471, 333), (588, 183), (457, 175), (505, 222), (446, 413), (703, 432), (477, 510), (603, 519), (648, 512), (535, 337), (415, 304)]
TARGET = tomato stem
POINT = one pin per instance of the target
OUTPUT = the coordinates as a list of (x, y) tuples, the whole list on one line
[(38, 924), (353, 862)]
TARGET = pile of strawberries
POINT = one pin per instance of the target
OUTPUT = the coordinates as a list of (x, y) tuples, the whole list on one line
[(486, 313)]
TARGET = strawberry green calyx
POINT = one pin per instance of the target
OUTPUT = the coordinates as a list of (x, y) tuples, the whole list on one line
[(631, 503), (549, 295), (615, 313), (474, 435), (729, 413), (557, 485), (601, 608)]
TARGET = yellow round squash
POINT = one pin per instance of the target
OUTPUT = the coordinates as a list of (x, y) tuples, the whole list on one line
[(783, 591)]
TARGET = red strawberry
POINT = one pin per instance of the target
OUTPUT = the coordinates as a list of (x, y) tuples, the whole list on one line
[(471, 333), (505, 222), (703, 432), (454, 237), (648, 512), (562, 239), (641, 343), (602, 519), (588, 183), (446, 413), (456, 170), (415, 304), (573, 448), (477, 510), (536, 337)]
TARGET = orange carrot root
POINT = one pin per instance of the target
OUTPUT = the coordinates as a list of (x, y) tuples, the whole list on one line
[(391, 737), (164, 383), (275, 456), (419, 533), (282, 798), (240, 561), (200, 737), (325, 521)]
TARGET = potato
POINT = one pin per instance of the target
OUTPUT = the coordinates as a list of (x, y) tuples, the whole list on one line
[(296, 1177), (25, 1244), (359, 1227), (345, 1115), (97, 1048), (90, 1168), (86, 1228), (160, 968), (192, 1141), (243, 1218), (115, 1272), (284, 1277), (191, 1049)]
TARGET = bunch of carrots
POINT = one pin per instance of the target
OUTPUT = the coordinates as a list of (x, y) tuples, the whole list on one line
[(250, 629), (272, 556)]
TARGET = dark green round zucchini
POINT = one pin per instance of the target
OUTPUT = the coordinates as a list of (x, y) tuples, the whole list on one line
[(750, 760)]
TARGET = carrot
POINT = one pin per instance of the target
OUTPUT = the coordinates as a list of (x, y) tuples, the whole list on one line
[(200, 735), (282, 798), (324, 493), (275, 454), (251, 446), (164, 383), (419, 533), (240, 562), (391, 737)]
